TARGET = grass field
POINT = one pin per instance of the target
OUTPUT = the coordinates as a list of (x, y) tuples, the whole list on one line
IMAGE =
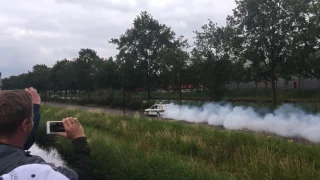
[(136, 148)]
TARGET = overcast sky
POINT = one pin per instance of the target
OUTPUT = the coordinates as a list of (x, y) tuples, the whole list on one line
[(44, 31)]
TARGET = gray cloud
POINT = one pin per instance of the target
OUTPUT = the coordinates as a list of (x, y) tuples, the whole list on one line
[(37, 31)]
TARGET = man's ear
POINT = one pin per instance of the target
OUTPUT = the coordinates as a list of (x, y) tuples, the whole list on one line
[(24, 125)]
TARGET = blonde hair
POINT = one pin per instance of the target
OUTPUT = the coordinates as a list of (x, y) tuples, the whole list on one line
[(15, 107)]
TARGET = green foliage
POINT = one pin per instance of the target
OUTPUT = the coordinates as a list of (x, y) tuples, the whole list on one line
[(275, 33), (141, 47), (86, 101), (213, 43), (135, 104), (148, 104), (117, 102)]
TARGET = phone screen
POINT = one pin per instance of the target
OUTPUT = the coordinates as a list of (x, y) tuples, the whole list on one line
[(56, 127)]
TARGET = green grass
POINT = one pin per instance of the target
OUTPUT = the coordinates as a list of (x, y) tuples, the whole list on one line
[(137, 148)]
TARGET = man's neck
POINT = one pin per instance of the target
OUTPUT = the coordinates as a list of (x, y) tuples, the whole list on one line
[(11, 142)]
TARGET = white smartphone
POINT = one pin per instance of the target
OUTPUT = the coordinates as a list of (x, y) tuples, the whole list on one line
[(53, 127)]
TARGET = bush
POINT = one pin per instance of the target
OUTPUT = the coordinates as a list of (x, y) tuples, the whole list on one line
[(135, 104), (102, 102), (86, 101), (110, 99), (148, 104), (117, 102)]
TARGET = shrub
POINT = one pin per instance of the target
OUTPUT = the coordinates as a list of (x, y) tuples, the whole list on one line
[(86, 101), (135, 104), (102, 102), (117, 102), (148, 104)]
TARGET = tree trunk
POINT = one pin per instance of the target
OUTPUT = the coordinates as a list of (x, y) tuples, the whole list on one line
[(148, 89), (148, 81), (299, 85), (45, 97), (123, 92), (238, 84), (149, 93), (65, 94), (273, 86), (180, 92), (79, 93)]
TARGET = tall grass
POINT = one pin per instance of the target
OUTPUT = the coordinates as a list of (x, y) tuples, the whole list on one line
[(138, 148)]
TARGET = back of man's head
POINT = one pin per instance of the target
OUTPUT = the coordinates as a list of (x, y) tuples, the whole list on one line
[(15, 107)]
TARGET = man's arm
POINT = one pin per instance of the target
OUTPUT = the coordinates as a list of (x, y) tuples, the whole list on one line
[(81, 162), (82, 159), (36, 120)]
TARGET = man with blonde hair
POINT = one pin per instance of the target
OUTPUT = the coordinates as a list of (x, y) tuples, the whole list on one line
[(16, 128)]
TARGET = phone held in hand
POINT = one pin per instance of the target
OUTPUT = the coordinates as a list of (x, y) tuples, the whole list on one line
[(54, 127)]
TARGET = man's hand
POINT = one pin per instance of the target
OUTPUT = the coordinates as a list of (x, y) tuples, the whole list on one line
[(34, 94), (73, 128)]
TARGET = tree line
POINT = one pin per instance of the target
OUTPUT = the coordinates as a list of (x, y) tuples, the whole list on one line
[(262, 41)]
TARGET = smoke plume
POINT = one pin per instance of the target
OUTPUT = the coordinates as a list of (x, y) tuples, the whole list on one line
[(287, 120)]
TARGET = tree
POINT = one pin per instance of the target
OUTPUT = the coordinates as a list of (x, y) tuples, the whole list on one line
[(39, 77), (106, 76), (63, 77), (85, 67), (195, 67), (214, 45), (143, 43), (132, 76), (269, 27), (239, 73), (175, 61), (314, 57), (315, 64), (17, 82)]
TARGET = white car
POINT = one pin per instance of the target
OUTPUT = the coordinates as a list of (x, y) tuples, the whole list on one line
[(155, 110)]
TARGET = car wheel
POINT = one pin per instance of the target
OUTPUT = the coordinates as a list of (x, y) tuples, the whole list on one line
[(158, 114)]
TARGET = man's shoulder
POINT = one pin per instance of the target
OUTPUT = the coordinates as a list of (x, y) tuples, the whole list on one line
[(33, 171), (16, 157), (12, 157)]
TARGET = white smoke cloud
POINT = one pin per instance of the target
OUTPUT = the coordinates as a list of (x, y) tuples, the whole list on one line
[(287, 120)]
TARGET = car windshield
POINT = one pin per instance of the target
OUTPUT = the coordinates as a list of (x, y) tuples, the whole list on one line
[(154, 107)]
